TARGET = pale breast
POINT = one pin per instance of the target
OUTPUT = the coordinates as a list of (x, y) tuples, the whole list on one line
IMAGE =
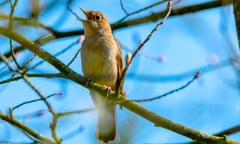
[(99, 60)]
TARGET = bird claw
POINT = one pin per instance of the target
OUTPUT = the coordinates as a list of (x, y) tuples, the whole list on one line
[(88, 81), (108, 89)]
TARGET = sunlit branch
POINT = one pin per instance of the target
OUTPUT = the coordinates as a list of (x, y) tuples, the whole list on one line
[(25, 128)]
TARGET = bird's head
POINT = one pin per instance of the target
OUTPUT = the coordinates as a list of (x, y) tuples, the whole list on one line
[(95, 23)]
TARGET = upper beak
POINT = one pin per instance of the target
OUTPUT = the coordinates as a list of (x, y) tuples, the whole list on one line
[(86, 13)]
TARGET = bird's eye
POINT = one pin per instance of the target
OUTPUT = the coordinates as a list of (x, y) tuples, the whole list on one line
[(98, 17)]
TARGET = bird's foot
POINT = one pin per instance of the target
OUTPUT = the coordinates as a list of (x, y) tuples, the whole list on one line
[(88, 81), (108, 89)]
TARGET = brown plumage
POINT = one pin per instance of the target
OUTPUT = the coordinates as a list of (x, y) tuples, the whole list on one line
[(102, 63)]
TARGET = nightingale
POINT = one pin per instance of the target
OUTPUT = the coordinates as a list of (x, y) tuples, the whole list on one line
[(101, 59)]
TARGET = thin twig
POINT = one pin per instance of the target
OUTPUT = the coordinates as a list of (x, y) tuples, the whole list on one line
[(47, 75), (37, 113), (74, 57), (26, 62), (63, 114), (139, 10), (229, 131), (170, 92), (25, 77), (11, 27), (57, 54), (76, 131), (75, 14), (10, 67), (176, 77), (50, 109), (123, 8), (32, 101), (169, 7), (5, 60)]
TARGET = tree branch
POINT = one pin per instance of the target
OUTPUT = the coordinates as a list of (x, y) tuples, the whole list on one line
[(153, 17), (25, 128), (229, 131), (38, 75), (176, 127), (50, 109)]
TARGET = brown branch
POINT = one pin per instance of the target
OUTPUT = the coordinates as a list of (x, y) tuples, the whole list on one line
[(175, 12), (153, 17), (229, 131), (224, 133)]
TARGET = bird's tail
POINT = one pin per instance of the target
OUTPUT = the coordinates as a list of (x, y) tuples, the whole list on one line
[(106, 126)]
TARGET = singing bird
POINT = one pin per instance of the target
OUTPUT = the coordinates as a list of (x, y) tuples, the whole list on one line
[(101, 59)]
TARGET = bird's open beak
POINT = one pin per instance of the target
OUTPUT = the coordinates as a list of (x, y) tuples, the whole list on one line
[(86, 14)]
